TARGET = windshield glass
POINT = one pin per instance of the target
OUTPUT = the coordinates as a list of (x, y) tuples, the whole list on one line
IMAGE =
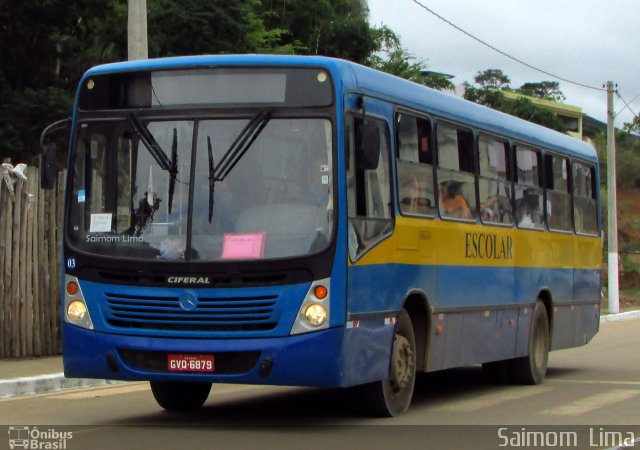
[(208, 190)]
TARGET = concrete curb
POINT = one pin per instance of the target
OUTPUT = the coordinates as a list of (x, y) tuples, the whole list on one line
[(15, 387), (39, 384), (629, 315)]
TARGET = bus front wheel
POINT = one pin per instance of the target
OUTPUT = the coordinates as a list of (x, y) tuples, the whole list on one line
[(392, 397), (180, 396), (531, 369)]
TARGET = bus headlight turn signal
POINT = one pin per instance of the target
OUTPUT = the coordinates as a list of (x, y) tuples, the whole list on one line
[(315, 310), (315, 314), (76, 311)]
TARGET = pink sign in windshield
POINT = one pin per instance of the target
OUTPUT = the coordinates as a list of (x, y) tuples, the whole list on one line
[(243, 246)]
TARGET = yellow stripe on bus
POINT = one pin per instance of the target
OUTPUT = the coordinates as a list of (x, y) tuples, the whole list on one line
[(437, 242)]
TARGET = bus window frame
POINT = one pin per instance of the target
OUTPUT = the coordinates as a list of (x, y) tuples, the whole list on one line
[(540, 158), (510, 160), (396, 156), (474, 161), (350, 116), (567, 159), (594, 195)]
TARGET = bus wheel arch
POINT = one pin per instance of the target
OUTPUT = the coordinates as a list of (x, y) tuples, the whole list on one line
[(392, 396), (417, 305), (532, 368), (545, 297)]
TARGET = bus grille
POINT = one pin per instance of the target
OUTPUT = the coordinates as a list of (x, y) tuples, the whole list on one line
[(212, 314)]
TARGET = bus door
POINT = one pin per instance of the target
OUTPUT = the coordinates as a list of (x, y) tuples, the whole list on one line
[(372, 302)]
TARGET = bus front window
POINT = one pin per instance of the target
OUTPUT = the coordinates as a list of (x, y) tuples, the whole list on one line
[(266, 196)]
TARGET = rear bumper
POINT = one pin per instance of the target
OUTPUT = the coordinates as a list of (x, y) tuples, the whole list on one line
[(311, 359)]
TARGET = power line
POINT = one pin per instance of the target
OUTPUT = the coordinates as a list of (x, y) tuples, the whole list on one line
[(504, 53), (626, 104)]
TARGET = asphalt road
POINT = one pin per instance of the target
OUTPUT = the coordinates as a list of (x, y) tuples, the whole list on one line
[(592, 391)]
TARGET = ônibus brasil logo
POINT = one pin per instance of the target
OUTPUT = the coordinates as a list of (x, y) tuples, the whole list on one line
[(32, 438)]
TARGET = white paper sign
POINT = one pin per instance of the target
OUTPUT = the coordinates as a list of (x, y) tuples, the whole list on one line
[(100, 223)]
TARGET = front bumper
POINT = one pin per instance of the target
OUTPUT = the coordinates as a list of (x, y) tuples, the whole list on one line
[(310, 359)]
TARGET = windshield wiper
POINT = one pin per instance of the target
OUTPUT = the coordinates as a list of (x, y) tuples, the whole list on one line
[(174, 167), (241, 144), (157, 152), (149, 141), (212, 181)]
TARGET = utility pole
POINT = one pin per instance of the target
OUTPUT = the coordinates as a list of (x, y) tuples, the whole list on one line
[(612, 207), (137, 30)]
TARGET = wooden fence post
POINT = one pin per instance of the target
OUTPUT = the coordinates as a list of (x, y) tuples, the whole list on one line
[(30, 257)]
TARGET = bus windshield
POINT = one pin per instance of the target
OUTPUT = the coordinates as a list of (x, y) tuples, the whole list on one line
[(202, 189)]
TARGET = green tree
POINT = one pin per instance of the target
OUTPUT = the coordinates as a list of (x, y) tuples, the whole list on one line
[(43, 53), (489, 92), (633, 126), (396, 60), (546, 90), (191, 27), (337, 28), (492, 79)]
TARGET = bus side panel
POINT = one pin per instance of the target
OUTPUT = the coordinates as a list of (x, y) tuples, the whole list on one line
[(366, 351), (376, 293), (574, 325)]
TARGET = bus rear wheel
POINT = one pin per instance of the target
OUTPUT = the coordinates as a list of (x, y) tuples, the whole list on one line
[(531, 369), (392, 397), (180, 396)]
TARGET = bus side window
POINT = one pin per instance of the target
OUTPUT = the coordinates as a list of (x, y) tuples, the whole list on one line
[(368, 184), (415, 165), (494, 181), (558, 194), (456, 173), (584, 199), (529, 194)]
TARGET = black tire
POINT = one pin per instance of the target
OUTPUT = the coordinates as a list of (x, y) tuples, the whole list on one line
[(180, 396), (496, 372), (531, 369), (392, 397)]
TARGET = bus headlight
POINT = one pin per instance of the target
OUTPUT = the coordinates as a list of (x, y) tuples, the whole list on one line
[(315, 314), (315, 310), (76, 311)]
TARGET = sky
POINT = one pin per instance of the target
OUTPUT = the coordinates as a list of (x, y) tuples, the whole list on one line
[(586, 41)]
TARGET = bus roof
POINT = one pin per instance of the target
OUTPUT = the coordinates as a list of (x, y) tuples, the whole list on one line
[(357, 78)]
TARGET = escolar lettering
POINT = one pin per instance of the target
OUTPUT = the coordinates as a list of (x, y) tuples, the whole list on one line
[(488, 246)]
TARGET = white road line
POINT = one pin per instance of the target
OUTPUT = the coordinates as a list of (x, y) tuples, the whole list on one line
[(593, 402), (614, 382), (217, 389), (101, 392), (493, 398)]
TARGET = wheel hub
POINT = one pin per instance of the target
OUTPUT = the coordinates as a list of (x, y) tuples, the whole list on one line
[(401, 363)]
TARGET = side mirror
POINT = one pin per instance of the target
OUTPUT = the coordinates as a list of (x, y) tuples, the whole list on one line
[(368, 148), (48, 167)]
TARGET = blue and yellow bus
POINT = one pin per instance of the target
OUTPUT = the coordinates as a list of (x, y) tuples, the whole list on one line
[(308, 221)]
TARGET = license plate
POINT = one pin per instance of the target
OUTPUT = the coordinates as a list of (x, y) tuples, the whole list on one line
[(190, 363)]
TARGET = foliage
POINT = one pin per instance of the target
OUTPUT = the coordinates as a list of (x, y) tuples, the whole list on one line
[(633, 126), (492, 79), (46, 45), (546, 90), (491, 84), (628, 165), (337, 28), (189, 27), (394, 59)]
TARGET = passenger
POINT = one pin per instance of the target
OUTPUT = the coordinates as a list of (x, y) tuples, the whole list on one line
[(451, 201)]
